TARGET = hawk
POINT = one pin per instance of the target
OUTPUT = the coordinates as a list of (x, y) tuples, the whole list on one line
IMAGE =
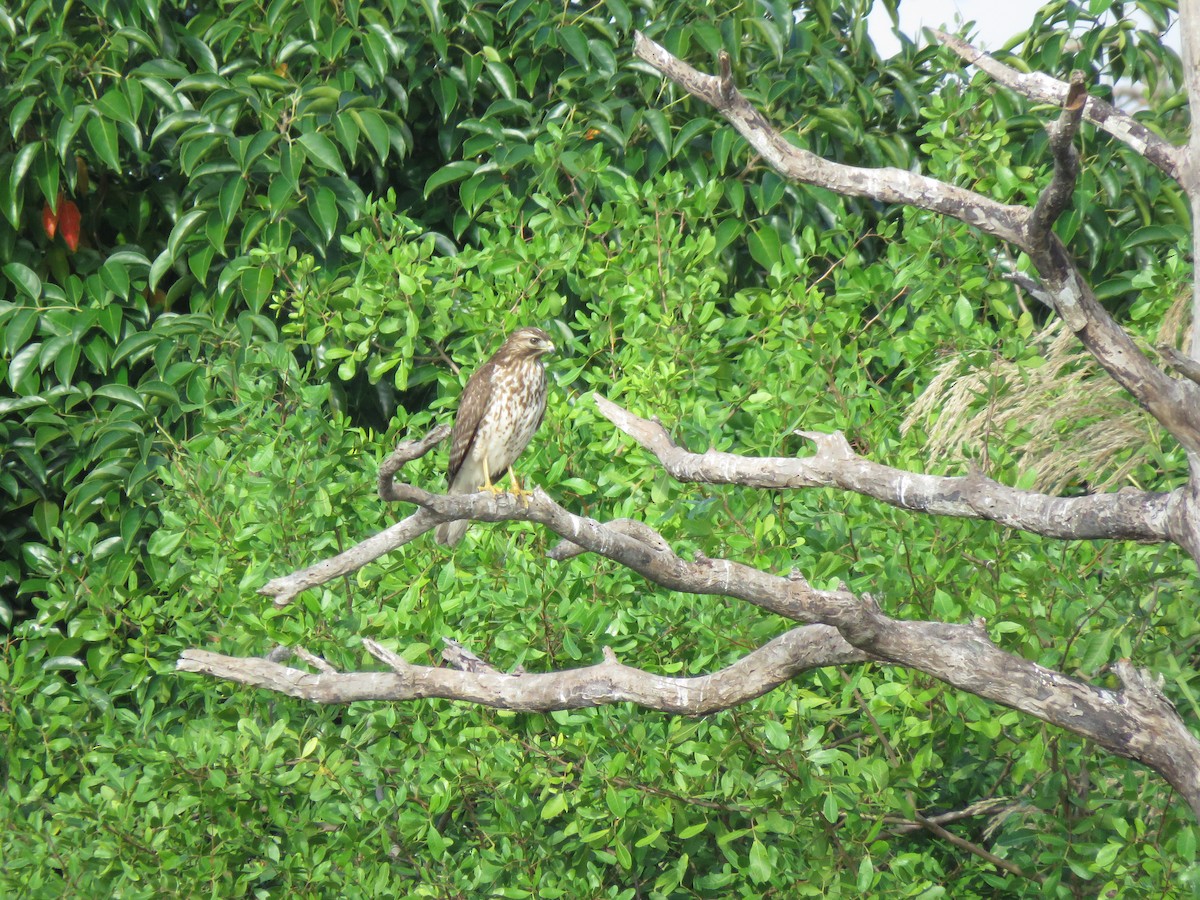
[(501, 408)]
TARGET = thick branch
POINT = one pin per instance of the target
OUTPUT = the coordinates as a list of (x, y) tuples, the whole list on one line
[(1189, 21), (755, 674), (887, 185), (1146, 729), (1175, 404), (406, 452), (1043, 89), (285, 588), (1186, 366), (1125, 515), (1056, 196)]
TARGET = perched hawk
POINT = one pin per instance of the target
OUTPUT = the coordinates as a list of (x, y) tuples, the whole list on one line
[(501, 407)]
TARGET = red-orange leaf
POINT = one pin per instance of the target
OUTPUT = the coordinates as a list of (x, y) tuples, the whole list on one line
[(49, 221), (68, 223)]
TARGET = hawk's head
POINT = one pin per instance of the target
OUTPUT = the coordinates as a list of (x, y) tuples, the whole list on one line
[(528, 343)]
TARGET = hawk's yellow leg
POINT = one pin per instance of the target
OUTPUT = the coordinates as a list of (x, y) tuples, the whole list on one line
[(487, 481), (517, 491)]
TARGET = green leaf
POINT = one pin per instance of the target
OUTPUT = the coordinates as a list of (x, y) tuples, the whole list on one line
[(657, 123), (164, 543), (21, 365), (257, 283), (866, 875), (830, 808), (21, 164), (58, 663), (445, 92), (448, 174), (372, 125), (114, 106), (503, 77), (1156, 234), (115, 277), (324, 212), (135, 347), (25, 279), (555, 806), (68, 127), (120, 393), (692, 830), (728, 231), (103, 136), (777, 735), (1185, 844), (1107, 854), (19, 115), (229, 204), (321, 150), (19, 329), (760, 862), (572, 39), (765, 246), (183, 228), (964, 312)]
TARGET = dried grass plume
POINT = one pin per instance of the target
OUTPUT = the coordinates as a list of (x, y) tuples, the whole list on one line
[(1070, 424)]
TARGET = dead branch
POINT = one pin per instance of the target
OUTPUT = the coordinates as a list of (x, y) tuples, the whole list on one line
[(1041, 88), (1181, 363), (1056, 196), (1174, 404), (1125, 515), (287, 587), (755, 674), (1137, 723)]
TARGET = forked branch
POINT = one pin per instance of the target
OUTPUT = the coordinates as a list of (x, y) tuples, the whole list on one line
[(1041, 88), (1138, 722), (755, 674), (1175, 404), (1125, 515)]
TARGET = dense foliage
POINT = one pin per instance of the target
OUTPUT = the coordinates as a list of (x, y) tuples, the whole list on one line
[(293, 220)]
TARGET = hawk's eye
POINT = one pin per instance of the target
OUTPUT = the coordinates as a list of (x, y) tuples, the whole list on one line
[(535, 340)]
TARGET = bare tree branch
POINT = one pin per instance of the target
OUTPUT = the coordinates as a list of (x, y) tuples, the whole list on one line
[(1056, 196), (1138, 723), (1125, 515), (1186, 366), (287, 587), (963, 844), (887, 185), (1175, 404), (406, 452), (1041, 88), (757, 673), (564, 550), (1189, 177)]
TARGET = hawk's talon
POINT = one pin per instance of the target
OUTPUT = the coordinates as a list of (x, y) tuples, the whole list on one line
[(517, 491)]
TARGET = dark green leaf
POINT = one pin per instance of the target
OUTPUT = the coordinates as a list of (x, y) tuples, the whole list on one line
[(321, 150)]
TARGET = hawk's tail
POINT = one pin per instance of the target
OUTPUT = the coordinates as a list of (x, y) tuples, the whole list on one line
[(450, 533)]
